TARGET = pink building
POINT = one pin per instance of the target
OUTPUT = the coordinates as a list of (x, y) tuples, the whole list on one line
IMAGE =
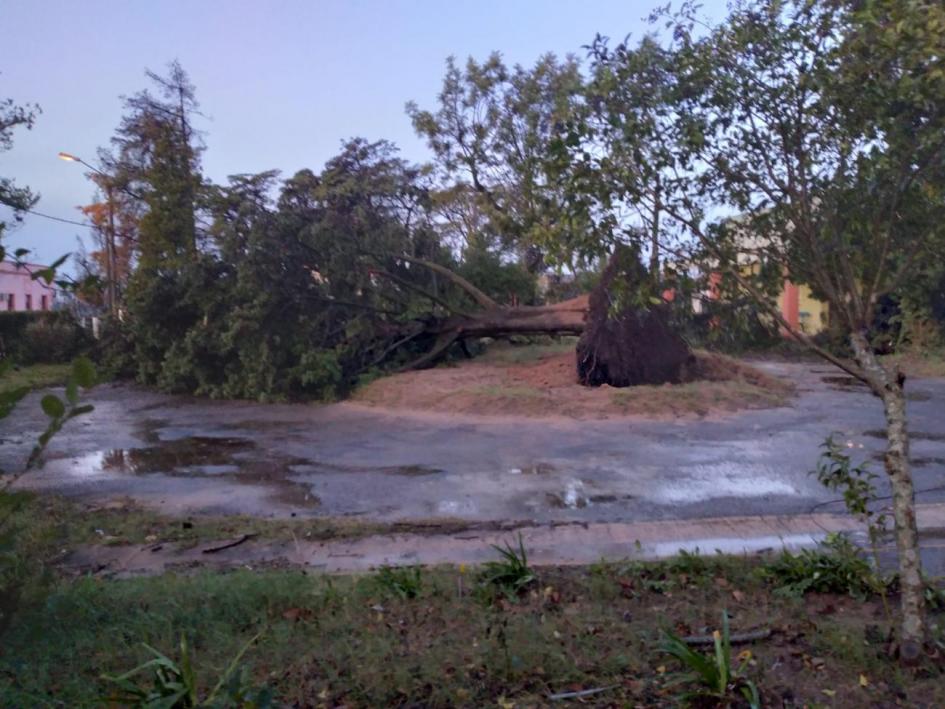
[(18, 291)]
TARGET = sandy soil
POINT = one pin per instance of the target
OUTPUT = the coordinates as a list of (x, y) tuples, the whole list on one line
[(545, 385)]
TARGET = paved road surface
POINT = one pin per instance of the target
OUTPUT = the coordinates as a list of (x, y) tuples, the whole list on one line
[(187, 456)]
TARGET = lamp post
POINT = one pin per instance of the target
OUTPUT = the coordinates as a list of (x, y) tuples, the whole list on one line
[(110, 265)]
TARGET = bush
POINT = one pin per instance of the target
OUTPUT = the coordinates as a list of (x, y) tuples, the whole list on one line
[(837, 566), (48, 338), (115, 351), (53, 340)]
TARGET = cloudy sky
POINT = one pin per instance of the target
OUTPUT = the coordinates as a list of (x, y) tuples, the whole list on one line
[(281, 82)]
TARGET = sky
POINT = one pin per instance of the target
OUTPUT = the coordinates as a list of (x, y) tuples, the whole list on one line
[(282, 83)]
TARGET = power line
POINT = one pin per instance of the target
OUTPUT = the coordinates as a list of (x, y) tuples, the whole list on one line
[(58, 219)]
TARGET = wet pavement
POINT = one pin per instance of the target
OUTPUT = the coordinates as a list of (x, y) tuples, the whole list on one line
[(184, 455)]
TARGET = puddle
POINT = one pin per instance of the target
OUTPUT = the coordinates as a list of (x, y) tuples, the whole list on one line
[(925, 462), (714, 481), (608, 499), (729, 545), (201, 457), (177, 455), (411, 471), (915, 436), (920, 462)]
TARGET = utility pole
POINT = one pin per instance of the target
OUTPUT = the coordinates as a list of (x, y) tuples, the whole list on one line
[(111, 270), (111, 266)]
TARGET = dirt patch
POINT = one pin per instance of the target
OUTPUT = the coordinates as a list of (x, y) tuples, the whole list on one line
[(547, 386)]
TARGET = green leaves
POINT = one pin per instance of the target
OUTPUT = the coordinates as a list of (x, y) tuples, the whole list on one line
[(52, 406), (174, 685), (82, 376), (83, 372), (720, 680)]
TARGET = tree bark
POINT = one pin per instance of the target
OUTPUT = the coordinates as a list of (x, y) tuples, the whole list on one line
[(887, 383), (566, 318)]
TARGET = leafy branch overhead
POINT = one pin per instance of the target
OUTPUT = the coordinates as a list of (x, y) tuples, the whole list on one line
[(60, 411)]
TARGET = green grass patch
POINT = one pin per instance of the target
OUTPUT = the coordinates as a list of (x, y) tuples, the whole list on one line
[(527, 352), (35, 376), (437, 637), (363, 641)]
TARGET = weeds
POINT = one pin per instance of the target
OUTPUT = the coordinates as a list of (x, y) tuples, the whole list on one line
[(511, 575), (719, 679), (836, 471), (835, 566), (405, 583), (175, 685)]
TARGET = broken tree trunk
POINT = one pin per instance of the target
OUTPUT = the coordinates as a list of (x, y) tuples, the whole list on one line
[(636, 345), (566, 318)]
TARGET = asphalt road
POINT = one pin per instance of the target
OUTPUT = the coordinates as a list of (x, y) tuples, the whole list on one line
[(189, 456)]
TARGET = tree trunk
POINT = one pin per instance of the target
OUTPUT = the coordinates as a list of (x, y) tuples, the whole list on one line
[(888, 385), (566, 318), (655, 233)]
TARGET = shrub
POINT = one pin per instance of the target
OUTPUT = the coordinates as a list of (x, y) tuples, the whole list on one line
[(406, 583), (836, 566), (52, 340), (175, 685), (510, 576), (721, 681), (42, 337), (115, 351)]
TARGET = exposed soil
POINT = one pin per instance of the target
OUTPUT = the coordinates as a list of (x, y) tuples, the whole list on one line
[(547, 386)]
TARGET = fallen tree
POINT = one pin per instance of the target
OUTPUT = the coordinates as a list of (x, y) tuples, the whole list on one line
[(492, 320), (621, 344)]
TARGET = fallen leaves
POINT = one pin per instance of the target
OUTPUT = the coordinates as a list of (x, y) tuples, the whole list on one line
[(296, 614)]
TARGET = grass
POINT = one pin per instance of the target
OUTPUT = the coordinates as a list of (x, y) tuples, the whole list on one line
[(35, 376), (504, 352), (348, 640), (428, 636)]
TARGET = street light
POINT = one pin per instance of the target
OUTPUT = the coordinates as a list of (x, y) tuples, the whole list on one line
[(110, 266)]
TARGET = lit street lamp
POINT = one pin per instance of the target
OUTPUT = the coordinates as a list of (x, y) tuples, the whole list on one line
[(110, 265)]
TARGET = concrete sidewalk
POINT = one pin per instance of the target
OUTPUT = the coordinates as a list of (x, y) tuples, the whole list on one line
[(557, 544)]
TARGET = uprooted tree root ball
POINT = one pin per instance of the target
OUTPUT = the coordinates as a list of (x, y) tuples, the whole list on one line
[(623, 343)]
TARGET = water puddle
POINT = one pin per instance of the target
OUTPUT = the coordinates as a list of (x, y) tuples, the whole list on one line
[(712, 481), (176, 455), (226, 458), (915, 436), (411, 471), (730, 545)]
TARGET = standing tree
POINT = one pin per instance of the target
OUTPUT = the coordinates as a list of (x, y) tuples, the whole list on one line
[(14, 116), (158, 161), (490, 135), (821, 125)]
